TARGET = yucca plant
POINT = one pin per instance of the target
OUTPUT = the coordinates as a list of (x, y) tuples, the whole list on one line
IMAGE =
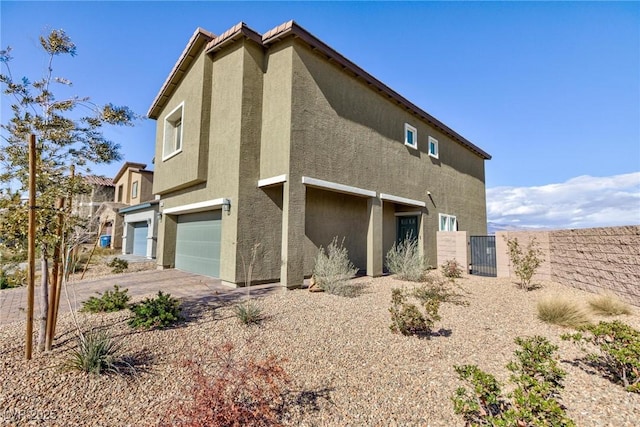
[(96, 353), (248, 312)]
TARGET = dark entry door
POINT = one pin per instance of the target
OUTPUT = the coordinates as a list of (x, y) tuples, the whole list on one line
[(407, 228)]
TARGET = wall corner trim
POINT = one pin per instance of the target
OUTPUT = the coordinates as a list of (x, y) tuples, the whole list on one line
[(339, 188)]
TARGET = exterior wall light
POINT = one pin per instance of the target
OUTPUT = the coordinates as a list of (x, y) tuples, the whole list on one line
[(226, 206)]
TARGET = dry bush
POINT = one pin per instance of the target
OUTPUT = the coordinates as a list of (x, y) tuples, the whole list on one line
[(333, 269), (561, 311), (241, 392), (608, 305)]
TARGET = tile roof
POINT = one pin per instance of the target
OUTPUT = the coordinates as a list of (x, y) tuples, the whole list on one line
[(98, 180)]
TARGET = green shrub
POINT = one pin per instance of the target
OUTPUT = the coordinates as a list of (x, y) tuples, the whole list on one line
[(95, 353), (524, 262), (110, 301), (12, 280), (619, 351), (438, 289), (333, 269), (407, 319), (533, 402), (404, 260), (118, 265), (157, 312), (608, 305), (451, 269), (248, 312), (561, 311)]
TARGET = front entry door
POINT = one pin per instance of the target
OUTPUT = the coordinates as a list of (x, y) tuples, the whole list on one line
[(407, 228)]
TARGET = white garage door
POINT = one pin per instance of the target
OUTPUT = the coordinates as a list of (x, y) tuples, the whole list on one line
[(140, 232)]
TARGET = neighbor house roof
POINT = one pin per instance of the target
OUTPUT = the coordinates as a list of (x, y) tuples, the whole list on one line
[(98, 180), (129, 165), (277, 34)]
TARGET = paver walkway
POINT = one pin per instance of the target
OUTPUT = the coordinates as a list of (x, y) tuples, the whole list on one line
[(180, 284)]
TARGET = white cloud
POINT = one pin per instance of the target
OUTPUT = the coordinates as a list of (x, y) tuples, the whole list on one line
[(580, 202)]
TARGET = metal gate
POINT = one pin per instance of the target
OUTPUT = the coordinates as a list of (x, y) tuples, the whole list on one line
[(483, 255)]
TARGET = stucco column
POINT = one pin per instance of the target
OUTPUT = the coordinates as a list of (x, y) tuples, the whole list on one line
[(293, 216), (166, 233), (374, 237), (423, 239)]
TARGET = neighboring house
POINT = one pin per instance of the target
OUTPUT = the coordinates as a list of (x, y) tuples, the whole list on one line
[(86, 204), (130, 218), (277, 139)]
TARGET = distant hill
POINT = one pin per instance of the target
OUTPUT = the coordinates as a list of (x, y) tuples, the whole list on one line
[(492, 227)]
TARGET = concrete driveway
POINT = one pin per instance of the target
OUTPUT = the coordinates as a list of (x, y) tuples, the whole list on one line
[(186, 286)]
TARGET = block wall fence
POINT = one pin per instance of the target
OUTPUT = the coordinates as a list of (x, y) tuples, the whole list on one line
[(599, 260)]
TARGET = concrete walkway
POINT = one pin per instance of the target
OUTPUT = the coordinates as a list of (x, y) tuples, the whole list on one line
[(187, 286)]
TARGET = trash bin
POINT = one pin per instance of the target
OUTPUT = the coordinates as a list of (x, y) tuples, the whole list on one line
[(105, 241)]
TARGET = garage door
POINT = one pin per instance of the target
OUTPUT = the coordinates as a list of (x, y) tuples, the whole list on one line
[(140, 233), (198, 243)]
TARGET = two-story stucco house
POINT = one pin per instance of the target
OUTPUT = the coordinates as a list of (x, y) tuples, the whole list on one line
[(278, 139)]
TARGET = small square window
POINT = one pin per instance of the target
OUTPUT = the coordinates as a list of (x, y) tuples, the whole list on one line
[(433, 147), (134, 190), (173, 132), (448, 223), (410, 136)]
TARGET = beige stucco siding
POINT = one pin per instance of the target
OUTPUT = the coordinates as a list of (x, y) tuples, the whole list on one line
[(329, 215), (276, 111), (187, 167), (343, 131)]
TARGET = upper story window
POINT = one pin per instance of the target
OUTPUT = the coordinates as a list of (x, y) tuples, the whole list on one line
[(448, 222), (433, 147), (120, 189), (134, 190), (173, 132), (410, 136)]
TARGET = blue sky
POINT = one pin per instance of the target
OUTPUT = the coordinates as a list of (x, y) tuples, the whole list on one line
[(550, 89)]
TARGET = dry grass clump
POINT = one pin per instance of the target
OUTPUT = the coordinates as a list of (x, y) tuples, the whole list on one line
[(562, 311), (608, 305)]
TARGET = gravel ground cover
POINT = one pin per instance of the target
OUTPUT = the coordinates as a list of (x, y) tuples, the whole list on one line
[(347, 368)]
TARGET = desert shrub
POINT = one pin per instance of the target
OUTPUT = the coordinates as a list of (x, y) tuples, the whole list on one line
[(110, 301), (619, 351), (118, 265), (158, 312), (533, 402), (407, 318), (525, 262), (96, 353), (333, 269), (404, 260), (248, 312), (12, 280), (240, 392), (608, 305), (451, 269), (561, 311), (438, 289)]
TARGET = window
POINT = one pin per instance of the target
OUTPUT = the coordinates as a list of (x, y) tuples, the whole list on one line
[(410, 136), (120, 188), (448, 223), (134, 190), (173, 132), (433, 147)]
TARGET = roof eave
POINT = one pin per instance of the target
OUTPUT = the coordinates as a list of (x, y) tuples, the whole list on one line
[(199, 38), (291, 28)]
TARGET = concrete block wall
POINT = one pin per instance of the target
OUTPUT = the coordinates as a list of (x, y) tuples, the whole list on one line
[(504, 267), (598, 260), (453, 245)]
